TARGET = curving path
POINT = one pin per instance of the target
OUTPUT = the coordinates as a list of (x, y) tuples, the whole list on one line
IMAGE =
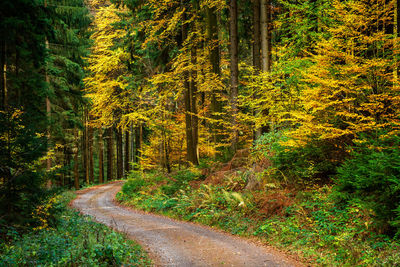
[(170, 242)]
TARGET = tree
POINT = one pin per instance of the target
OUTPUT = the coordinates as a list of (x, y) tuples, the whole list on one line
[(234, 64)]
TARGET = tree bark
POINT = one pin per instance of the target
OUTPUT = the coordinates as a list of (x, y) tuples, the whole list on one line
[(234, 65), (127, 148), (191, 150), (48, 113), (90, 154), (397, 35), (265, 16), (256, 35), (138, 145), (110, 154), (120, 164), (266, 34), (3, 76), (101, 153), (76, 160), (85, 147), (193, 108), (212, 36), (256, 52)]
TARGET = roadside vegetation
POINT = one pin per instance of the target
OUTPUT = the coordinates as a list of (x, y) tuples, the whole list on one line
[(61, 237), (346, 222)]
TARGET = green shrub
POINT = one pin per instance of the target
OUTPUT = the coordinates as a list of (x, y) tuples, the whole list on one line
[(371, 176), (180, 180), (312, 162), (74, 241), (134, 184)]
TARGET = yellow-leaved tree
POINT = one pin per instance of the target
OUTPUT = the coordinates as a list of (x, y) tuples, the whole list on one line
[(350, 88)]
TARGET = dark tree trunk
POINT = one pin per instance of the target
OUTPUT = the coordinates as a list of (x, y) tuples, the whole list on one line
[(193, 108), (256, 50), (127, 146), (85, 147), (90, 154), (191, 153), (212, 36), (101, 160), (233, 34), (138, 145), (120, 164), (3, 73), (110, 154), (76, 160)]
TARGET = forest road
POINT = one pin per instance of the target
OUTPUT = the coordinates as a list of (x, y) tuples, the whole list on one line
[(174, 243)]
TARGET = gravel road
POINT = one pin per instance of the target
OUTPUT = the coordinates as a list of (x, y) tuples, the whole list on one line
[(171, 242)]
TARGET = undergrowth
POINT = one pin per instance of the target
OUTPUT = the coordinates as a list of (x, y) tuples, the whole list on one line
[(62, 237), (308, 223)]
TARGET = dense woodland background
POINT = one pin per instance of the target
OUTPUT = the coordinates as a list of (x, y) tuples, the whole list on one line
[(305, 93)]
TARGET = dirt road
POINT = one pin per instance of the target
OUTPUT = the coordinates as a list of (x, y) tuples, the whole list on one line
[(170, 242)]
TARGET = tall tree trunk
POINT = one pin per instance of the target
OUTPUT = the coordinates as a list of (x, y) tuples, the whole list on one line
[(212, 36), (3, 76), (90, 154), (266, 35), (256, 51), (48, 112), (85, 147), (76, 160), (127, 148), (193, 107), (120, 164), (233, 36), (101, 160), (397, 34), (265, 16), (190, 149), (138, 144), (110, 154)]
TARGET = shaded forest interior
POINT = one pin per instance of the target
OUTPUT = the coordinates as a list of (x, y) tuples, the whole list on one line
[(95, 91)]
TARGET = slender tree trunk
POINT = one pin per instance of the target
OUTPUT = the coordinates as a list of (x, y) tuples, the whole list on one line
[(138, 145), (85, 145), (265, 16), (127, 146), (90, 154), (76, 160), (256, 51), (187, 102), (110, 154), (233, 34), (120, 164), (212, 36), (397, 34), (193, 107), (48, 112), (101, 160), (266, 35), (3, 77)]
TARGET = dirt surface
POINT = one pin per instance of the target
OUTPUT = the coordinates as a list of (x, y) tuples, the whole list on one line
[(174, 243)]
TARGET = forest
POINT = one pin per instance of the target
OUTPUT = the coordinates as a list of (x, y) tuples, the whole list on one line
[(276, 120)]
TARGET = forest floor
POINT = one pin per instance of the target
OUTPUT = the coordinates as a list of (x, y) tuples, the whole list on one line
[(175, 243)]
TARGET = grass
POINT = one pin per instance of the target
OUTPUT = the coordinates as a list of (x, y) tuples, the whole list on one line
[(62, 237), (309, 224)]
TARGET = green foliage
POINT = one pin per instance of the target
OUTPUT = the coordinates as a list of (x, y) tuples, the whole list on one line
[(134, 183), (371, 177), (311, 163), (74, 241), (313, 226), (20, 186), (178, 182)]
